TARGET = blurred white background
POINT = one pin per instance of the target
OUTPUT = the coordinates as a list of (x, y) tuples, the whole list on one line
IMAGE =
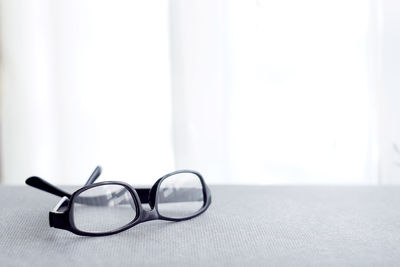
[(261, 91)]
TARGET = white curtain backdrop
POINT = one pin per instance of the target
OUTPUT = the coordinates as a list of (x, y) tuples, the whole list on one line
[(286, 94), (85, 83), (243, 91)]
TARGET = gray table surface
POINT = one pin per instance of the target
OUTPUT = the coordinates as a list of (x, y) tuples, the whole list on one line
[(245, 225)]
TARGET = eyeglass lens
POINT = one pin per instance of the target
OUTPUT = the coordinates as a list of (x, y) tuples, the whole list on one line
[(180, 196), (103, 208)]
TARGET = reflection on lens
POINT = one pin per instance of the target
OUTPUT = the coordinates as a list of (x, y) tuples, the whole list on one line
[(180, 196), (103, 208)]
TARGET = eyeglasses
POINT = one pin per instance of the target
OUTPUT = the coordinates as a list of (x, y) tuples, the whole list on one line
[(106, 208)]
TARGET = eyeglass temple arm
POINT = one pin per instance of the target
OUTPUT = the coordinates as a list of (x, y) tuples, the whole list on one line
[(192, 194), (41, 184), (143, 193), (95, 174), (104, 200)]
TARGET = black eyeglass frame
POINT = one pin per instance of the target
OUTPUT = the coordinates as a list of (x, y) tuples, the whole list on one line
[(62, 216)]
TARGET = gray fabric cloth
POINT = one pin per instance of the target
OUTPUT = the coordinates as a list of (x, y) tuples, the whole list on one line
[(245, 225)]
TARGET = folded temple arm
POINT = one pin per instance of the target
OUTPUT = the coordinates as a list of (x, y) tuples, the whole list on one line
[(41, 184), (176, 195)]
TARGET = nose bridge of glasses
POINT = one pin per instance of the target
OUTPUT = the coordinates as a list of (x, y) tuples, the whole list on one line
[(149, 215), (152, 194)]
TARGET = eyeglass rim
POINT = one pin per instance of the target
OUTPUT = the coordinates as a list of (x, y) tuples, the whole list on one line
[(141, 214), (131, 190), (205, 195)]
